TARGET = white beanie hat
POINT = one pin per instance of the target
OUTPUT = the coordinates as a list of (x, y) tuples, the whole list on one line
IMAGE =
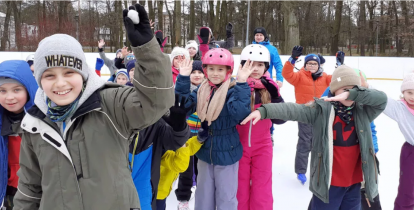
[(408, 82), (193, 44), (179, 51)]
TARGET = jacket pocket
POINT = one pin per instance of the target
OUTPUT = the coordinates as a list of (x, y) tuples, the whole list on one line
[(83, 160)]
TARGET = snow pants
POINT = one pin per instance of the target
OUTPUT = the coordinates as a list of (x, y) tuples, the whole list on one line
[(303, 148), (216, 187), (405, 196)]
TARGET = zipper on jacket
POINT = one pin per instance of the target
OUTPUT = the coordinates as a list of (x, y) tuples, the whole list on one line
[(250, 133), (211, 146), (319, 166), (375, 165)]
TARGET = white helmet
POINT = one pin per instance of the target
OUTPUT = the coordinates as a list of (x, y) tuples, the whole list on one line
[(255, 52), (30, 57)]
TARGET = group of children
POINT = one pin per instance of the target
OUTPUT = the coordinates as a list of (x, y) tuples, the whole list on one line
[(70, 140)]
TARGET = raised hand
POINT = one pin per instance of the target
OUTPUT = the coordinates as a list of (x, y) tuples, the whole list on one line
[(141, 33), (204, 35), (101, 43), (152, 24), (245, 71), (296, 53), (340, 58), (255, 116), (186, 66), (178, 114), (124, 52)]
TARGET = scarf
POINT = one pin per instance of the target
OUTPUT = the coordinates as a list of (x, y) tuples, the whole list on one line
[(317, 74), (61, 113), (209, 108), (256, 83), (344, 112)]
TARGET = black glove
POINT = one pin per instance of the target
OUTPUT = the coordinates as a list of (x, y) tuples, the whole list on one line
[(340, 58), (160, 38), (321, 58), (140, 33), (270, 86), (178, 114), (203, 132), (296, 53), (204, 35), (229, 29)]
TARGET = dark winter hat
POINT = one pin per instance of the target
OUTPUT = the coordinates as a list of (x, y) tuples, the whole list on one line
[(312, 57), (130, 65), (197, 65), (260, 30)]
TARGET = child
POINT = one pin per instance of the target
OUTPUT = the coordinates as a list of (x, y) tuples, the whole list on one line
[(339, 160), (145, 152), (177, 56), (161, 39), (255, 167), (186, 180), (131, 68), (30, 61), (207, 41), (122, 77), (108, 62), (74, 149), (192, 48), (17, 91), (173, 163), (222, 102), (403, 113), (310, 82)]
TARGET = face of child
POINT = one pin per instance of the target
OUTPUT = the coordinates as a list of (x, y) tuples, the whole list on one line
[(13, 97), (216, 73), (341, 90), (121, 79), (312, 66), (131, 73), (118, 55), (61, 85), (258, 70), (409, 97), (192, 51), (196, 77), (259, 37), (177, 60)]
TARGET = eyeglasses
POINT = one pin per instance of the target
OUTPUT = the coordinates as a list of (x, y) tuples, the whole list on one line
[(312, 64)]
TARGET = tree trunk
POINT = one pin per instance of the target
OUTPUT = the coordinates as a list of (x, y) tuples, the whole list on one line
[(409, 36), (151, 10), (397, 30), (361, 27), (120, 27), (17, 25), (160, 6), (291, 26), (5, 37), (223, 19), (192, 20), (142, 2), (253, 18), (350, 30), (371, 43), (177, 22), (211, 17), (383, 29), (217, 25), (171, 23), (336, 27)]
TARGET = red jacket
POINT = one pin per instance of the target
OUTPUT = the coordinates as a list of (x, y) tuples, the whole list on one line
[(305, 87), (14, 153)]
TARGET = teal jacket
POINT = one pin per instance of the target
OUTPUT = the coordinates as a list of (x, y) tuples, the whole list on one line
[(321, 114)]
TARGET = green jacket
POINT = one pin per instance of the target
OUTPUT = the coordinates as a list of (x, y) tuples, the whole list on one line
[(321, 115), (85, 167)]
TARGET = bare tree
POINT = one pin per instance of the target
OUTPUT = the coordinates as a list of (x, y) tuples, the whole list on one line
[(291, 25), (5, 37), (337, 27), (192, 20), (160, 6)]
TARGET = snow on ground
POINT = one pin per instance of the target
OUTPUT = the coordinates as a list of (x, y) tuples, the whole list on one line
[(288, 193)]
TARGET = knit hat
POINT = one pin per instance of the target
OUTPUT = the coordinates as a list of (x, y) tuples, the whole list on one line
[(123, 72), (344, 76), (60, 50), (30, 59), (197, 65), (129, 57), (130, 65), (408, 82), (5, 80), (312, 57), (260, 30), (193, 44), (179, 51)]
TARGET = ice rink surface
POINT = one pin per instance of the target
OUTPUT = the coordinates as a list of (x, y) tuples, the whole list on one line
[(289, 194)]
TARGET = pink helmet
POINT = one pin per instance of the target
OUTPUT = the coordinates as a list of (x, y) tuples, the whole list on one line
[(219, 56)]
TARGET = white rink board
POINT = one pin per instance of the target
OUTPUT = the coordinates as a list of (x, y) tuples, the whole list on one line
[(373, 67)]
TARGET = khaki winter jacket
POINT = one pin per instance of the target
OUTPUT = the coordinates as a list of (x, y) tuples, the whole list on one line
[(86, 166), (321, 114)]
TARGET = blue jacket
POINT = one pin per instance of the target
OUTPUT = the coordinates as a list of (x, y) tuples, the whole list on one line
[(141, 174), (274, 60), (18, 70), (222, 146), (373, 130)]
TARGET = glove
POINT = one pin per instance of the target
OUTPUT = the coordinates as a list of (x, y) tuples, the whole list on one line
[(204, 35), (141, 33), (178, 114), (99, 64), (160, 39), (202, 135), (321, 58), (302, 178), (229, 29), (270, 86), (296, 53), (340, 58)]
